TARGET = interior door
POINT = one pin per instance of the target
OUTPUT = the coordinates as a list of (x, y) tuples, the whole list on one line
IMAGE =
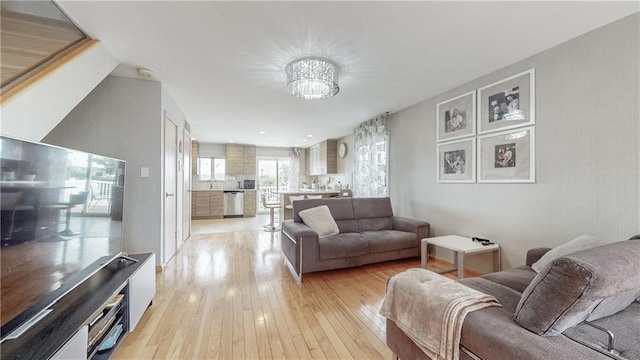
[(186, 185), (170, 188)]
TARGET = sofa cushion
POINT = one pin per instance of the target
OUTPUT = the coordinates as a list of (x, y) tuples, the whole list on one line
[(368, 208), (341, 209), (586, 285), (517, 278), (342, 246), (375, 224), (320, 220), (389, 240), (582, 242)]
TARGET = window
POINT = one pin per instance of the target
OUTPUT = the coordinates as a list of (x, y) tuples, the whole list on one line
[(372, 167), (212, 169), (33, 34)]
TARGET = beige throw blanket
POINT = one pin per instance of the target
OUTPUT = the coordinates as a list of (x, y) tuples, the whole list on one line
[(430, 309)]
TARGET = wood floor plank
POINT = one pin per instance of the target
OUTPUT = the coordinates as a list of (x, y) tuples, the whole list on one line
[(228, 295)]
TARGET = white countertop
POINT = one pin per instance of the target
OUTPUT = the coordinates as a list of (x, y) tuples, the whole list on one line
[(307, 191), (192, 190)]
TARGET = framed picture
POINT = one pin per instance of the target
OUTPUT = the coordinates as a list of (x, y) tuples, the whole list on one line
[(507, 156), (456, 118), (507, 104), (457, 161)]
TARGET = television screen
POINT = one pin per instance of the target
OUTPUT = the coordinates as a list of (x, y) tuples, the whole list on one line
[(61, 222)]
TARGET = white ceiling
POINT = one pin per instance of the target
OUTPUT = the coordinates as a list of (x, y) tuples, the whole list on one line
[(223, 62)]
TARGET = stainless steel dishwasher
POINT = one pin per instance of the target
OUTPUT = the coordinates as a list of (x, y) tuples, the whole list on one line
[(233, 203)]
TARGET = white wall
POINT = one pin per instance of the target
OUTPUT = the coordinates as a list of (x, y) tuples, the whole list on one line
[(587, 153), (123, 118), (32, 114)]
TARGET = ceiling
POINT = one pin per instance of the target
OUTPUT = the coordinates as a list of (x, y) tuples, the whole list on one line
[(223, 62)]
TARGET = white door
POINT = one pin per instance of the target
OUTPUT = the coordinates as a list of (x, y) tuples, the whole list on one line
[(186, 185), (170, 188)]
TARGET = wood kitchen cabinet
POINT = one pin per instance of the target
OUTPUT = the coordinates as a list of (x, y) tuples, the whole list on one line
[(235, 159), (323, 158), (249, 160), (241, 159), (207, 204), (249, 203)]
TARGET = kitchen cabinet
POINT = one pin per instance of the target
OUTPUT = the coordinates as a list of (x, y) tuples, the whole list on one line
[(241, 159), (323, 158), (207, 204), (249, 160), (249, 203), (235, 159)]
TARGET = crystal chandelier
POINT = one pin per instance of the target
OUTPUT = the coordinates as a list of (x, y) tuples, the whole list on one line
[(312, 78)]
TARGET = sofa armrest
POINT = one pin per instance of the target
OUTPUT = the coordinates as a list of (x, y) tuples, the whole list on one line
[(535, 254), (298, 241), (296, 230), (420, 228)]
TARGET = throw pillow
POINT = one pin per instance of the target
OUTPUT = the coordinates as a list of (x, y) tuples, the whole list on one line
[(582, 242), (319, 219), (585, 285)]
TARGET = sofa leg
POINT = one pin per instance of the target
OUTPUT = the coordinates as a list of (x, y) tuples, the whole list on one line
[(297, 277), (394, 356)]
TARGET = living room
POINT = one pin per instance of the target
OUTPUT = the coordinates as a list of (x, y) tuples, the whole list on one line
[(586, 182)]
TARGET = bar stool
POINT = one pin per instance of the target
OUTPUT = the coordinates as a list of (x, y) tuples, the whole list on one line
[(272, 207), (10, 203), (74, 200)]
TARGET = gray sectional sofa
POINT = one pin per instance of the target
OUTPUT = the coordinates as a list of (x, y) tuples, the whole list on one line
[(369, 233), (543, 314)]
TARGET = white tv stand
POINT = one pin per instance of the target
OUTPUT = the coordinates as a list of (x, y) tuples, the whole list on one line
[(81, 321)]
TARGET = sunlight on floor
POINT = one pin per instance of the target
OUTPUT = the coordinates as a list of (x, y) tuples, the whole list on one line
[(229, 224)]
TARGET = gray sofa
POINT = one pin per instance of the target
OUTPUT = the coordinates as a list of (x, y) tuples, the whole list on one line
[(369, 233), (543, 314)]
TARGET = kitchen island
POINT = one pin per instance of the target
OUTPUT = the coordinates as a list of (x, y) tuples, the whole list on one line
[(285, 199)]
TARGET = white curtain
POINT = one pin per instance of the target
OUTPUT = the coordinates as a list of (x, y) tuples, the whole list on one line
[(294, 169), (372, 150)]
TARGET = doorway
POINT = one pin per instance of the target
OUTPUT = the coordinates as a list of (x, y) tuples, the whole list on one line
[(170, 188), (273, 176)]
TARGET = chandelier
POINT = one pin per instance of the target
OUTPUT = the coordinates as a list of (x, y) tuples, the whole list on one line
[(312, 78)]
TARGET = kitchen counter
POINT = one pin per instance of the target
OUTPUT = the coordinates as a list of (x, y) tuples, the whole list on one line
[(307, 191), (223, 190)]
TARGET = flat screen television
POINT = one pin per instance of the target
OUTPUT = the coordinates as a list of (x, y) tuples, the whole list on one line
[(61, 222)]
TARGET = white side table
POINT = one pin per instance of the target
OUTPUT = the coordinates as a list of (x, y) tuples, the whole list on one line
[(461, 246)]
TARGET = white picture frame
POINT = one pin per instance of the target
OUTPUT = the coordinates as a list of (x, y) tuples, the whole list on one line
[(507, 104), (507, 156), (456, 117), (457, 161)]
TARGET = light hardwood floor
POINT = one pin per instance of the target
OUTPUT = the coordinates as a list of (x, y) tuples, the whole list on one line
[(227, 295)]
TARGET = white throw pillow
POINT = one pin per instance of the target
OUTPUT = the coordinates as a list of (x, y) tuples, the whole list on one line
[(320, 220), (582, 242)]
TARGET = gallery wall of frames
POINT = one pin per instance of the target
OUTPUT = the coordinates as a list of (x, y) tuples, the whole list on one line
[(488, 135)]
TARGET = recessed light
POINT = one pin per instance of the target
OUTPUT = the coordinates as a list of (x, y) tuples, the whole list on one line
[(304, 140), (231, 141), (309, 135), (295, 145), (262, 132)]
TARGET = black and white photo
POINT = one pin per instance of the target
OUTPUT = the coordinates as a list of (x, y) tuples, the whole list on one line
[(456, 161), (507, 104), (456, 118), (507, 156)]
